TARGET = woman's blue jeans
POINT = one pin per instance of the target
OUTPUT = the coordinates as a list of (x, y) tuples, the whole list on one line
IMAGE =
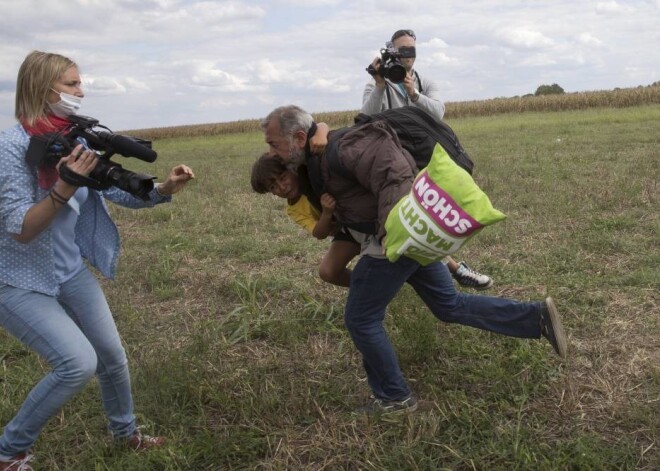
[(76, 334), (375, 282)]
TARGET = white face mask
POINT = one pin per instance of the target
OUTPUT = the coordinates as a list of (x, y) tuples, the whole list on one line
[(68, 105)]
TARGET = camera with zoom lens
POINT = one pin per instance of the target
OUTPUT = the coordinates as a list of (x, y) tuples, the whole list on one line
[(391, 67), (48, 149)]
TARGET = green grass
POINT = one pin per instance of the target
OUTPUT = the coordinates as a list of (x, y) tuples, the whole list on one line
[(240, 358)]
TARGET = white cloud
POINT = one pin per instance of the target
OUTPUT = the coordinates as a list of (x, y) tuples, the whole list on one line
[(524, 37), (539, 60), (589, 39), (208, 75), (221, 102), (329, 85), (611, 6), (306, 3), (112, 86), (274, 72), (434, 59), (135, 84), (103, 86), (207, 16), (435, 43), (151, 63)]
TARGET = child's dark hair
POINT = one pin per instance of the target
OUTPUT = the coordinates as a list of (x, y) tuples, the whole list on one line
[(265, 171)]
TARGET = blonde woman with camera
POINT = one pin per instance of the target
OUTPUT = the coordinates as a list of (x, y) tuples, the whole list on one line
[(49, 299)]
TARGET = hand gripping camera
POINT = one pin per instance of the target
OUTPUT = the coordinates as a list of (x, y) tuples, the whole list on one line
[(47, 149), (390, 63)]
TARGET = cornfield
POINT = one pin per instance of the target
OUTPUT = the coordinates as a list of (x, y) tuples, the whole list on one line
[(618, 98)]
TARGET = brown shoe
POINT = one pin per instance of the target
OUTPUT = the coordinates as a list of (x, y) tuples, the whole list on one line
[(140, 442), (17, 463), (552, 329)]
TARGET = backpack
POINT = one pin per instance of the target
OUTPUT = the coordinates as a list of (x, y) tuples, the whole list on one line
[(418, 133)]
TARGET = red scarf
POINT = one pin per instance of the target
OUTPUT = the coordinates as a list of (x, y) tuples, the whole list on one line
[(46, 176)]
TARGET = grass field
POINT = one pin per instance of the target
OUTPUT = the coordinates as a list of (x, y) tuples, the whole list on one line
[(240, 358)]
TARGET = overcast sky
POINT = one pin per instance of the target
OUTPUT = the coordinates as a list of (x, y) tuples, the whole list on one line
[(153, 63)]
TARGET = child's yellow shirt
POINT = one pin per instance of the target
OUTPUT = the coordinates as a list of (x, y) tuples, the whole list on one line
[(303, 213)]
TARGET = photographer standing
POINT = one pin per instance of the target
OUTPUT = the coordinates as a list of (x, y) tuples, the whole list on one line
[(382, 94), (49, 299)]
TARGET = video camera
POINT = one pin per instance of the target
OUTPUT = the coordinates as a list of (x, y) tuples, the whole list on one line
[(390, 63), (47, 149)]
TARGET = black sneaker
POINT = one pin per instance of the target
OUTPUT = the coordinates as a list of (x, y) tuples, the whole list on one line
[(377, 406), (466, 276), (552, 329)]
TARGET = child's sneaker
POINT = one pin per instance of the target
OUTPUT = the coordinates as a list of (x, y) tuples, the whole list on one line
[(377, 406), (17, 463), (466, 276)]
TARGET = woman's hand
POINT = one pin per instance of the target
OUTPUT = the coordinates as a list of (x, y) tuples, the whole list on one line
[(41, 215), (80, 161), (178, 178)]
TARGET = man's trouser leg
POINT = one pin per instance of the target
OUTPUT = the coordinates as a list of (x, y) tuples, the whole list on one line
[(374, 283), (504, 316)]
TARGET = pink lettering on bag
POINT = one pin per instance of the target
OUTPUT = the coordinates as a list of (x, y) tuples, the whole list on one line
[(442, 208)]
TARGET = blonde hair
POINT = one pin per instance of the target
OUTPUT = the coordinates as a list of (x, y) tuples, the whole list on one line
[(37, 74)]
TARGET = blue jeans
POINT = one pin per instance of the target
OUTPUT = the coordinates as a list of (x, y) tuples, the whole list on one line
[(375, 282), (76, 334)]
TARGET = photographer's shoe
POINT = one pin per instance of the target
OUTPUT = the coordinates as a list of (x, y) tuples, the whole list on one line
[(552, 329), (377, 406), (17, 463), (466, 276)]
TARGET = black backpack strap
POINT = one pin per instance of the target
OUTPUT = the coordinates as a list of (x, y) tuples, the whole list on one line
[(332, 155), (304, 180), (315, 184)]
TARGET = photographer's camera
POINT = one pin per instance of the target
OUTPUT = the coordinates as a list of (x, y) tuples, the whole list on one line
[(391, 67)]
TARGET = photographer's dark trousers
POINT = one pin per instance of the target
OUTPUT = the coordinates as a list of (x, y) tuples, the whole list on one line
[(375, 282)]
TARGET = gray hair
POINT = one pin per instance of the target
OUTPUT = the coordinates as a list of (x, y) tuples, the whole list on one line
[(291, 119)]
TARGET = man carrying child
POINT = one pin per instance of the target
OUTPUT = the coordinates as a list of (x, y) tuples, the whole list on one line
[(384, 172)]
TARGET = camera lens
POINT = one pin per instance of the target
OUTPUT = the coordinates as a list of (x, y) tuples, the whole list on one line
[(396, 73)]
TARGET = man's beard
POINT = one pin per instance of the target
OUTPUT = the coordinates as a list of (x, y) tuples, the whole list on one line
[(296, 155)]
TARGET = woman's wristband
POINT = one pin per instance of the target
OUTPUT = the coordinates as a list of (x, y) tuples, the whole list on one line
[(58, 197), (54, 199)]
